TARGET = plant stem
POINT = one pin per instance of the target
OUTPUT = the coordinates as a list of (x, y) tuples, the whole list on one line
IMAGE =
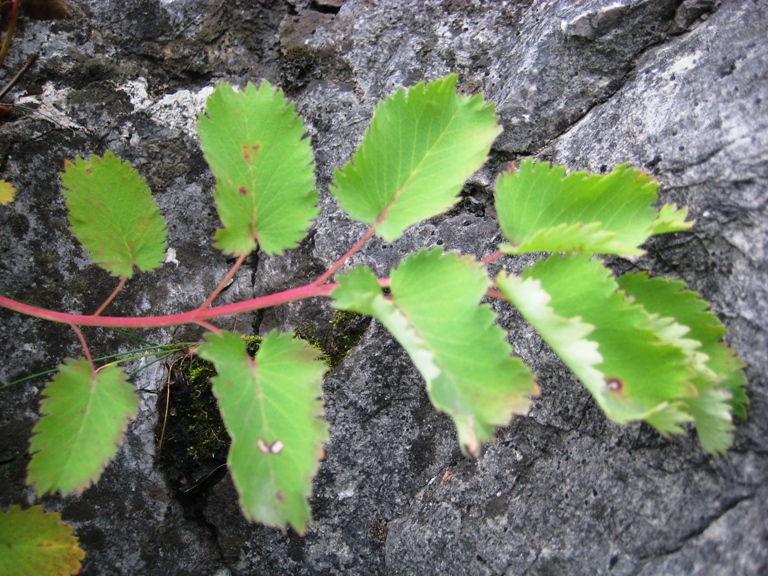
[(167, 402), (200, 315), (359, 244), (192, 317), (9, 33), (495, 294), (23, 70), (224, 282), (111, 296), (208, 326), (84, 344), (496, 255)]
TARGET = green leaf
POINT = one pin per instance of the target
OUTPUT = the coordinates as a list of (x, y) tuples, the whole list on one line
[(542, 210), (711, 411), (610, 343), (669, 298), (85, 419), (271, 408), (420, 148), (34, 543), (669, 420), (113, 215), (434, 313), (671, 219), (254, 143), (720, 380)]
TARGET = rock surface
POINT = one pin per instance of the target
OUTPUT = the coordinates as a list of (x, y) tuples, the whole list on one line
[(675, 87)]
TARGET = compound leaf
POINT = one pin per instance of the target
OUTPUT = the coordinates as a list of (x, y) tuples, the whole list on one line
[(720, 380), (271, 408), (420, 148), (35, 542), (434, 313), (542, 210), (85, 417), (113, 215), (610, 344), (7, 192), (254, 143)]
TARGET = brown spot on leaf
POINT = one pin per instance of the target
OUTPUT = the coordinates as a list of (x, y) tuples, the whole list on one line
[(279, 496), (250, 151), (89, 170), (243, 191), (614, 384)]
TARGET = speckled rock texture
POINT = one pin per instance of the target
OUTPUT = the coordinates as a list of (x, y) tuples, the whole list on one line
[(676, 87)]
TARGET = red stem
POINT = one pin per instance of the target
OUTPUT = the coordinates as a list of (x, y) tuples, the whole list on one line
[(196, 316), (492, 257), (491, 293), (199, 316), (359, 244), (111, 297), (9, 33), (223, 283), (84, 345), (210, 327)]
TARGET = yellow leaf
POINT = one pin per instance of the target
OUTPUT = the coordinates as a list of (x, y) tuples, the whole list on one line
[(35, 543), (7, 192)]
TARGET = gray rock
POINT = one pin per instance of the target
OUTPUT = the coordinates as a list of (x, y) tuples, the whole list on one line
[(677, 88)]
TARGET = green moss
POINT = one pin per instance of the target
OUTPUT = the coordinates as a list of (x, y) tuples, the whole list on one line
[(207, 436), (335, 343), (297, 53), (296, 66), (195, 439), (252, 344)]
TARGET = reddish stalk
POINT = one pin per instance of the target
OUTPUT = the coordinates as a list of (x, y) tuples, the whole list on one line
[(199, 316), (196, 316), (9, 33), (338, 264), (111, 297), (84, 345), (496, 255), (491, 293), (224, 282), (210, 327)]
